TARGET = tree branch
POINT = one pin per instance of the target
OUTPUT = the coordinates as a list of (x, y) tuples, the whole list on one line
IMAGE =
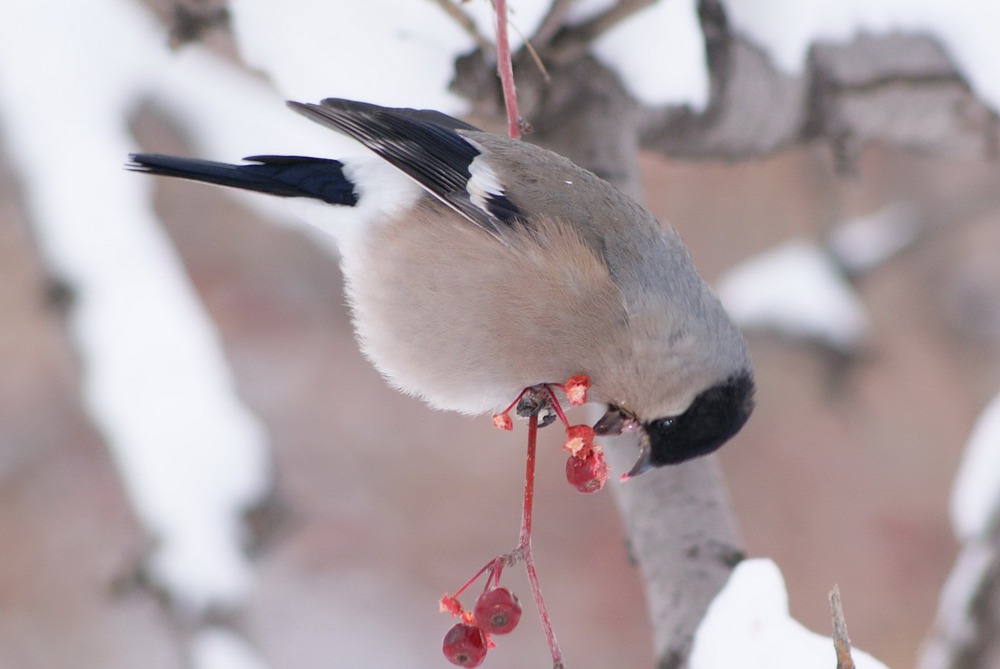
[(966, 633), (841, 642), (553, 22), (505, 71), (899, 89), (573, 40), (191, 20), (466, 23)]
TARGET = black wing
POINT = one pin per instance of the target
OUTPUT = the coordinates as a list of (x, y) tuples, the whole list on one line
[(424, 145)]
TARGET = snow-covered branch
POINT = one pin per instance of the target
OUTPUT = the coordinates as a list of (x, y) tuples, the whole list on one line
[(965, 634), (893, 80)]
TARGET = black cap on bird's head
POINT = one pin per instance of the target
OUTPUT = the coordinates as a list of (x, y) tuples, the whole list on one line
[(713, 417)]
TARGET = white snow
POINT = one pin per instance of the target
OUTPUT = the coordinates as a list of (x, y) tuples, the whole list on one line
[(966, 29), (862, 243), (219, 648), (954, 625), (381, 51), (154, 377), (659, 53), (798, 290), (748, 626), (402, 53), (975, 511), (975, 495)]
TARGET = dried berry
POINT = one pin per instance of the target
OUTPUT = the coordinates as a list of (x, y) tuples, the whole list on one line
[(464, 645), (497, 611), (588, 473)]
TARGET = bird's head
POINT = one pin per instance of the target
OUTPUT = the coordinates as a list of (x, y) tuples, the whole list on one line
[(713, 417)]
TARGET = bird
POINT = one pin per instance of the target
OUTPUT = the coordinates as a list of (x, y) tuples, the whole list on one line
[(477, 266)]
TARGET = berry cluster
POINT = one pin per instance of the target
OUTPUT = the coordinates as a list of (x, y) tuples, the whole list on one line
[(586, 469), (496, 612)]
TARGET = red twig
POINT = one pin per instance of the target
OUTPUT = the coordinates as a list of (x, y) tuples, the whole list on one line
[(524, 538), (494, 566), (505, 70), (524, 544), (556, 406)]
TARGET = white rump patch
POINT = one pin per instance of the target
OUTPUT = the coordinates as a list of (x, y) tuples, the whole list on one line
[(383, 192)]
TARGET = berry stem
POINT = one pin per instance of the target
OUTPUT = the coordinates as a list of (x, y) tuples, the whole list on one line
[(491, 566), (524, 544), (524, 538), (556, 406), (510, 407)]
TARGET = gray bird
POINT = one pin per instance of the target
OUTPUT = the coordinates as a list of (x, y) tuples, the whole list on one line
[(478, 265)]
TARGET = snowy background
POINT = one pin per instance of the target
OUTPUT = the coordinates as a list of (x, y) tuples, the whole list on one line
[(182, 407)]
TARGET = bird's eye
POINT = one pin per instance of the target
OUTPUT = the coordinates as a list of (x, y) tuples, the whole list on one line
[(714, 416)]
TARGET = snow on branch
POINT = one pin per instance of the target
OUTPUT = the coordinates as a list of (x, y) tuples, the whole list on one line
[(748, 626), (722, 79), (896, 77), (966, 628)]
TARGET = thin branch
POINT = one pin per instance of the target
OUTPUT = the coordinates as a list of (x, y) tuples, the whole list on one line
[(614, 15), (537, 60), (505, 69), (580, 36), (466, 23), (553, 22), (841, 642)]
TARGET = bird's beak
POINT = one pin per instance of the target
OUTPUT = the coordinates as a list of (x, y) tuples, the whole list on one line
[(642, 464), (616, 421), (611, 423)]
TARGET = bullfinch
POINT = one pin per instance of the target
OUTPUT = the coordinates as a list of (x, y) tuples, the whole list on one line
[(477, 266)]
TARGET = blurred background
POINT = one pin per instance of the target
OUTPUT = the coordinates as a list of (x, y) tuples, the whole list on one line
[(379, 505)]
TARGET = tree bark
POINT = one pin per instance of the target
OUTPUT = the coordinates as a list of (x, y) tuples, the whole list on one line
[(897, 88)]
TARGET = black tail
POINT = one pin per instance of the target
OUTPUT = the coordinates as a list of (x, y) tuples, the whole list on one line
[(284, 176)]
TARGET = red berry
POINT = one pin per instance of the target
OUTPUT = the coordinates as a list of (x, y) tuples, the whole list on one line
[(587, 474), (497, 611), (465, 645)]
